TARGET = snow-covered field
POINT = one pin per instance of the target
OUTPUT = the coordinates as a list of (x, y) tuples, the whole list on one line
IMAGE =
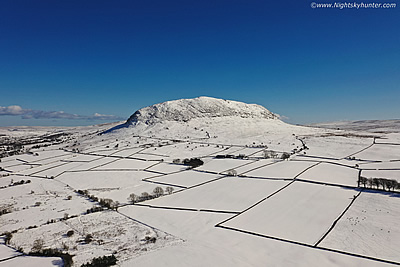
[(331, 174), (380, 152), (301, 212), (186, 178), (305, 210), (281, 169), (225, 194), (221, 165), (370, 227)]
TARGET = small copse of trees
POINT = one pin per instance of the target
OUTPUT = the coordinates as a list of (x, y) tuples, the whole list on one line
[(104, 202), (270, 154), (285, 156), (389, 184), (193, 162)]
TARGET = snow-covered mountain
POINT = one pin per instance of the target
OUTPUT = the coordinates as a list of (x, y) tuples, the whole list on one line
[(217, 120), (211, 120), (183, 110)]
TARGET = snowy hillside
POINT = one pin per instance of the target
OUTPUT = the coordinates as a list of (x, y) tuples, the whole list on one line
[(266, 193), (212, 121)]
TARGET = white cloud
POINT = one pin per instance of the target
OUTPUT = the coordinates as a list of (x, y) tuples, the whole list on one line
[(41, 114), (11, 110), (282, 117)]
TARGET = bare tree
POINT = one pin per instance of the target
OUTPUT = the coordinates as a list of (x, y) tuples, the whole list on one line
[(133, 198), (370, 182), (363, 180), (269, 154), (391, 184), (376, 182), (382, 182), (144, 196), (169, 189), (158, 191), (232, 172), (115, 205)]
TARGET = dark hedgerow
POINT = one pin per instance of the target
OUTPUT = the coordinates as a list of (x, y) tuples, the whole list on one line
[(50, 252), (104, 261)]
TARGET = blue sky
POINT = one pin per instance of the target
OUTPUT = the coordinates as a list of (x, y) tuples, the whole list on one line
[(62, 61)]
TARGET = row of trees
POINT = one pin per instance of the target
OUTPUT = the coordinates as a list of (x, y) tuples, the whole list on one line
[(389, 184), (104, 202), (270, 154), (157, 192), (12, 183)]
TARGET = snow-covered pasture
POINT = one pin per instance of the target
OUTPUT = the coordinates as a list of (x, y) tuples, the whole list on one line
[(25, 166), (226, 194), (370, 227), (28, 261), (167, 168), (185, 150), (380, 153), (221, 165), (82, 158), (230, 150), (151, 157), (55, 171), (249, 151), (19, 167), (380, 165), (280, 169), (331, 174), (7, 252), (97, 163), (36, 169), (211, 246), (393, 137), (126, 164), (112, 233), (255, 165), (301, 212), (185, 178), (37, 202), (116, 185), (39, 156), (128, 152), (335, 146), (346, 161)]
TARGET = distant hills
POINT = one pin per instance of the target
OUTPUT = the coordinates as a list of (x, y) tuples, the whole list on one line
[(375, 126)]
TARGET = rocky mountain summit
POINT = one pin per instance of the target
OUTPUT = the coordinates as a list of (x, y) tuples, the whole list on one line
[(184, 110)]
